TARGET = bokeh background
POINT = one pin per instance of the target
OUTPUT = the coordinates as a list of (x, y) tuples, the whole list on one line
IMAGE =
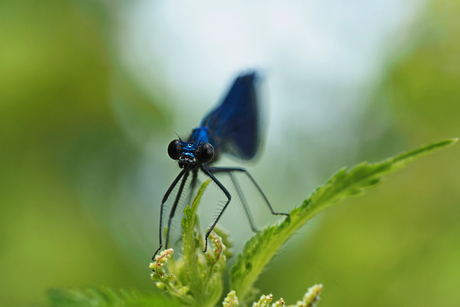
[(91, 93)]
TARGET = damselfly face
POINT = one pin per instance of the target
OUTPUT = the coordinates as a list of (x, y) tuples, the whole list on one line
[(190, 154)]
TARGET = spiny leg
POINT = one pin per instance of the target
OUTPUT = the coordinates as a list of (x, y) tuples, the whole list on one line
[(165, 198), (229, 197), (242, 170), (191, 191), (242, 198), (192, 186), (174, 207)]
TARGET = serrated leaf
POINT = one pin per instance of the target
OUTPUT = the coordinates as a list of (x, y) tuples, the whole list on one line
[(261, 248), (106, 297)]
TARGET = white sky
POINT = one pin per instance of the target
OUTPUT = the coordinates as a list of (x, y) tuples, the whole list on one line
[(309, 51)]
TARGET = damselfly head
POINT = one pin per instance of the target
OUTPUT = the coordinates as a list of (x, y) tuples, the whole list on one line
[(190, 153)]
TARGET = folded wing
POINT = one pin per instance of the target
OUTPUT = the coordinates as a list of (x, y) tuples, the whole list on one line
[(234, 124)]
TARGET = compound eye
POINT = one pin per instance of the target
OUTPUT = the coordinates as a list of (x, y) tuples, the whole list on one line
[(207, 153), (174, 149)]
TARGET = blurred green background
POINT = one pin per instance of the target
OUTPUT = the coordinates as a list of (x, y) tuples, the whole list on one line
[(84, 125)]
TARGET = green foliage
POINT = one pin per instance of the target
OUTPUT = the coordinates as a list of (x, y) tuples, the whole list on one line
[(197, 278), (104, 297), (201, 273), (261, 248)]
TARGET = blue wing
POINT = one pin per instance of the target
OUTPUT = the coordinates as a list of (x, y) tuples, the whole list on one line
[(233, 125)]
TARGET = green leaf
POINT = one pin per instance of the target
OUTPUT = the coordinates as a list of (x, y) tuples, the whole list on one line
[(261, 248), (94, 297), (190, 246)]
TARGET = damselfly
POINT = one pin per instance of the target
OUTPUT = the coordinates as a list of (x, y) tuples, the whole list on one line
[(232, 128)]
